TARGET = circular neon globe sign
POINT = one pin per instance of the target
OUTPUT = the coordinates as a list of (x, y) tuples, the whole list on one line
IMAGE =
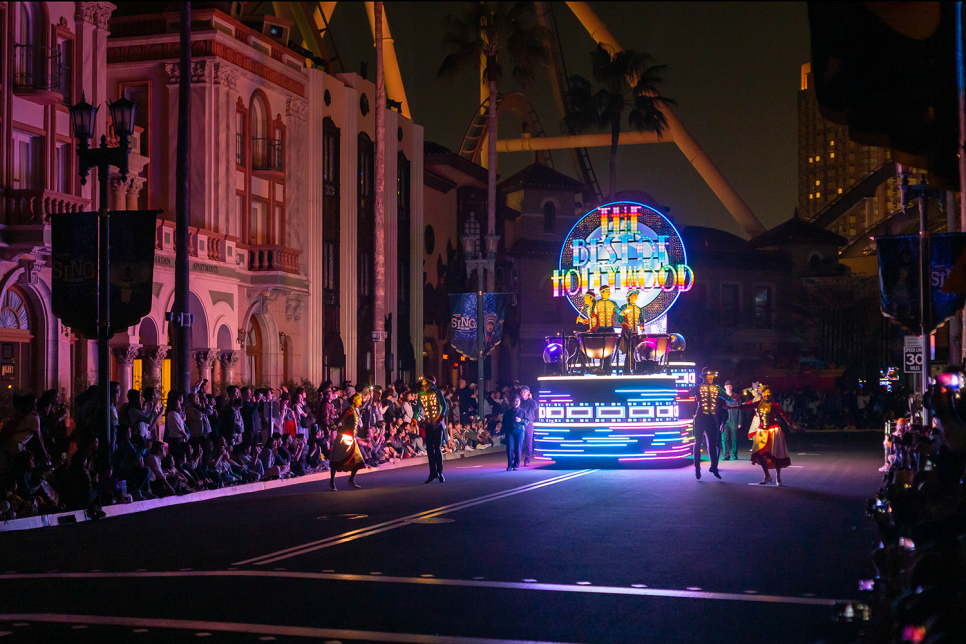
[(625, 246)]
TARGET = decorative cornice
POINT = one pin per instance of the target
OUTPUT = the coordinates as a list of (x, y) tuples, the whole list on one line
[(227, 75), (162, 51), (95, 13), (125, 354), (297, 108), (155, 356), (229, 359), (293, 307), (206, 358), (202, 71)]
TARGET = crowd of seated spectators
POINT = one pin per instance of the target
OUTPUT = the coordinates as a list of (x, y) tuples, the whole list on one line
[(55, 458)]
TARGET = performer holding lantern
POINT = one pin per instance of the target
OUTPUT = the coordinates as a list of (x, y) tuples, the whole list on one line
[(430, 413), (346, 456), (706, 420), (768, 441)]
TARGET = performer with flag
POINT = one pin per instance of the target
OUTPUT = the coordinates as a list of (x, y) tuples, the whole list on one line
[(346, 456)]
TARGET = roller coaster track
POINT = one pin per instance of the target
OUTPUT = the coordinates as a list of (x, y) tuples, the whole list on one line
[(477, 131)]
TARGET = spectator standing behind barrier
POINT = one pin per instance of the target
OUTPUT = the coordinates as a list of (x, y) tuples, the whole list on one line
[(514, 429), (143, 414), (729, 428), (528, 405)]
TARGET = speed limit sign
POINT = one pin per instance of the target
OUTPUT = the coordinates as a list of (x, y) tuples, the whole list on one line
[(912, 354)]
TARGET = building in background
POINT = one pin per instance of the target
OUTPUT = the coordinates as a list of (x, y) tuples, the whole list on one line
[(282, 198), (830, 164)]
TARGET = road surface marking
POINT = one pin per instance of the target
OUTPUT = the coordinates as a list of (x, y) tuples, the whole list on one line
[(263, 629), (328, 542), (531, 584)]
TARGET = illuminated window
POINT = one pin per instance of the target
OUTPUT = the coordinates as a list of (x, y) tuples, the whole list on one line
[(832, 155), (818, 157), (840, 191), (811, 196), (811, 159), (817, 182), (831, 142)]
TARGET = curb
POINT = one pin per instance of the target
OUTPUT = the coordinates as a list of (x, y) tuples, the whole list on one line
[(79, 516)]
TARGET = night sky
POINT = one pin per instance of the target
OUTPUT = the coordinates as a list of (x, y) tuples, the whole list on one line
[(734, 72)]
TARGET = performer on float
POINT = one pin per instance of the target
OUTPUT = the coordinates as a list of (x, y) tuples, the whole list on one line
[(706, 420), (605, 319), (768, 441), (346, 456), (590, 298), (631, 324), (430, 414)]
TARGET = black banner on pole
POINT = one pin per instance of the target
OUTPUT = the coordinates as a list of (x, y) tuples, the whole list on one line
[(899, 278), (74, 268)]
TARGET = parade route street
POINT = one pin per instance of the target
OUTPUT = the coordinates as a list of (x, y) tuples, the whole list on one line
[(546, 553)]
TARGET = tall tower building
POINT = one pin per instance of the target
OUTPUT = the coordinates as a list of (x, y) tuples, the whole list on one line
[(829, 163)]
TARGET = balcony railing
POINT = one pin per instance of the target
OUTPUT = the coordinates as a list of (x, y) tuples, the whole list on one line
[(39, 69), (239, 149), (272, 258), (267, 154), (35, 205)]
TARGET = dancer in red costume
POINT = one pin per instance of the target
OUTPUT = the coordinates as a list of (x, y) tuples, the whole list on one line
[(768, 441), (346, 456)]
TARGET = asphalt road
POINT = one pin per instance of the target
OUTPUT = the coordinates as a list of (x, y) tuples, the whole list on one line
[(542, 554)]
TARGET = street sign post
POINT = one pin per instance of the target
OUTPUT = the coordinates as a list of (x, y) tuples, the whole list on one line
[(912, 354)]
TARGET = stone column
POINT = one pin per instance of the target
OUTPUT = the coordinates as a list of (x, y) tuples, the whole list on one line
[(134, 185), (229, 361), (153, 361), (205, 360), (124, 356)]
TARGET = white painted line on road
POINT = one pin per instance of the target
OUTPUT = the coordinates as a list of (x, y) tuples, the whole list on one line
[(263, 629), (328, 542), (526, 584)]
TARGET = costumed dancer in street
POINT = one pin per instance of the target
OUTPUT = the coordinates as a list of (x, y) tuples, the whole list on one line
[(729, 428), (706, 420), (605, 318), (346, 456), (754, 392), (529, 407), (630, 319), (430, 414), (768, 447)]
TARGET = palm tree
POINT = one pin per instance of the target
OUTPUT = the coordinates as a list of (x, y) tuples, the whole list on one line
[(625, 80), (482, 31)]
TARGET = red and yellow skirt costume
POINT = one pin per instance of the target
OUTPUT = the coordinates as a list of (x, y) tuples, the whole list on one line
[(345, 451), (768, 445)]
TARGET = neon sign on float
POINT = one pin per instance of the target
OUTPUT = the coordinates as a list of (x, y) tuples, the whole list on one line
[(624, 245)]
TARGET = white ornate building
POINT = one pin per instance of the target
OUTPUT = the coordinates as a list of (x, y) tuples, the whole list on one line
[(281, 199)]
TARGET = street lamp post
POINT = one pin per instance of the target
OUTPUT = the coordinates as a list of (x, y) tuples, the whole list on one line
[(479, 264), (82, 116)]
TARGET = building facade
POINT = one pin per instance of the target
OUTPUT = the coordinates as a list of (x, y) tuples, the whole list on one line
[(282, 190), (829, 162)]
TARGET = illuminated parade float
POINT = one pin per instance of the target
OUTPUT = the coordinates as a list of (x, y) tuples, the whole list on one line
[(612, 394)]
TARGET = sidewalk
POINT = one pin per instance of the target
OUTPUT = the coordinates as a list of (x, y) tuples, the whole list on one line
[(78, 516)]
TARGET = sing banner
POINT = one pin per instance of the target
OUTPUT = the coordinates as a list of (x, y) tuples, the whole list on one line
[(74, 268), (899, 278), (463, 321)]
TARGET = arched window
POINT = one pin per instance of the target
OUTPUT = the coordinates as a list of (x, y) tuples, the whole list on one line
[(13, 312), (549, 216), (36, 66), (259, 125), (29, 27)]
